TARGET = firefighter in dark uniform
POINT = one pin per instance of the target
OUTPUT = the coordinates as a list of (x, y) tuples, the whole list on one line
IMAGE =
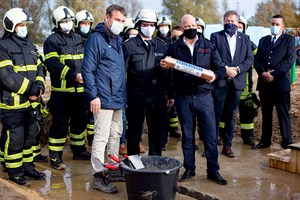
[(164, 25), (248, 106), (22, 79), (83, 26), (145, 84), (63, 58)]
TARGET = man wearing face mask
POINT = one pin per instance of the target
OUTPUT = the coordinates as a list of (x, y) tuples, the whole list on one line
[(146, 84), (22, 79), (200, 26), (63, 51), (176, 33), (235, 50), (193, 98), (164, 25), (83, 26), (273, 61), (103, 73)]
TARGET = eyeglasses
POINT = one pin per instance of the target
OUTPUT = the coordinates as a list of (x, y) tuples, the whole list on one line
[(146, 25)]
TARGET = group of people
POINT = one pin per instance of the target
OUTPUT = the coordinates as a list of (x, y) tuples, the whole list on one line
[(97, 74)]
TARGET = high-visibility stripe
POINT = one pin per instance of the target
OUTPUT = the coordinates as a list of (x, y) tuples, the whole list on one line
[(80, 89), (77, 143), (40, 78), (35, 104), (5, 63), (24, 86), (57, 141), (56, 148), (245, 95), (73, 136), (174, 119), (27, 151), (28, 160), (16, 100), (15, 107), (221, 124), (14, 164), (174, 125), (247, 126), (64, 72), (254, 51), (90, 126), (51, 55), (55, 89), (25, 68)]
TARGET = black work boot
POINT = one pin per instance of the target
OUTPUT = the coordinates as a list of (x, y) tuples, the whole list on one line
[(115, 176), (174, 132), (56, 161), (101, 183), (40, 158), (20, 180), (84, 155), (34, 174)]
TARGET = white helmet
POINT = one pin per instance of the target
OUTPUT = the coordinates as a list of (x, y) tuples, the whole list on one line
[(200, 22), (62, 13), (243, 21), (128, 24), (164, 20), (15, 16), (147, 15), (83, 16)]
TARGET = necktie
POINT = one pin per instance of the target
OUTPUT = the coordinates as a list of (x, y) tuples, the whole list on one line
[(273, 41), (148, 44)]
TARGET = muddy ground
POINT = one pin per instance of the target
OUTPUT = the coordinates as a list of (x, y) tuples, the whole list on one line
[(11, 191)]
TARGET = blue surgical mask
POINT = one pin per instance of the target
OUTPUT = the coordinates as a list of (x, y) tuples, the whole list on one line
[(275, 30), (85, 29), (240, 30), (230, 29), (22, 31)]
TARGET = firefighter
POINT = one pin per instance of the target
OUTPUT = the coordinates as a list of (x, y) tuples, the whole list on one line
[(83, 26), (248, 106), (164, 26), (22, 81), (145, 84), (63, 51), (200, 26), (129, 31)]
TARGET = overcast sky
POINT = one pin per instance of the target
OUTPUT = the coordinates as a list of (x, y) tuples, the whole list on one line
[(246, 7)]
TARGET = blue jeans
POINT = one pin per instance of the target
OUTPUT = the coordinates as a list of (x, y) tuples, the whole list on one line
[(200, 107)]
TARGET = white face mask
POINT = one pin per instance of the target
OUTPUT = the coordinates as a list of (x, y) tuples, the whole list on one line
[(116, 27), (148, 31), (22, 31), (85, 29), (164, 30), (240, 30), (66, 27), (275, 30), (199, 30)]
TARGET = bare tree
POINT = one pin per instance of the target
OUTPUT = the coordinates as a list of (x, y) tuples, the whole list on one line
[(132, 6)]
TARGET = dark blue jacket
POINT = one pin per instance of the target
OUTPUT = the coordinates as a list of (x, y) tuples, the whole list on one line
[(243, 57), (205, 55), (103, 69), (279, 57)]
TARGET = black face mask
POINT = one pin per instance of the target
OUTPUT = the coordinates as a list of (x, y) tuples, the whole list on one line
[(190, 33), (230, 29)]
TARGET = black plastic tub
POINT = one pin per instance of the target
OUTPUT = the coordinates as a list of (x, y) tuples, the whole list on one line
[(157, 181)]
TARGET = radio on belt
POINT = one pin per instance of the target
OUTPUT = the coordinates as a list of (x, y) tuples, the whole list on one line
[(189, 68)]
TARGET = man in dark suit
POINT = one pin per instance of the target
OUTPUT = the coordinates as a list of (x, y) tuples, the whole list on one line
[(235, 50), (273, 61)]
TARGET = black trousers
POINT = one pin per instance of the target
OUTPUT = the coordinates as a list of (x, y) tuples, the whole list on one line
[(18, 135), (69, 110), (155, 113), (282, 102)]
